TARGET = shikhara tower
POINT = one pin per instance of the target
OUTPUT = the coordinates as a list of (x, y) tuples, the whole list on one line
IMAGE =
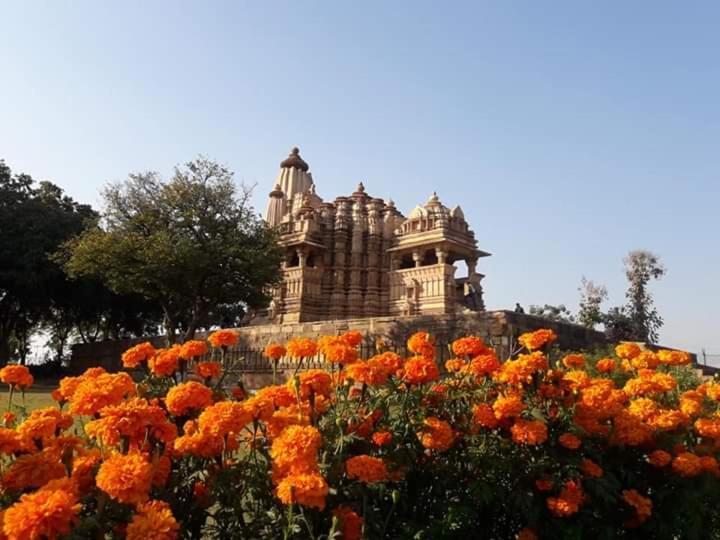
[(358, 256)]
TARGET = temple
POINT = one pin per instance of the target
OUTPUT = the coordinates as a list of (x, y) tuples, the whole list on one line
[(358, 256)]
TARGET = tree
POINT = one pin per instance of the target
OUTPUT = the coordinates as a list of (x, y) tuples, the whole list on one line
[(558, 313), (191, 244), (35, 219), (591, 298), (641, 267)]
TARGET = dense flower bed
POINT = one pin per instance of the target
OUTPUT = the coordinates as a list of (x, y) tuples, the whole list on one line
[(541, 445)]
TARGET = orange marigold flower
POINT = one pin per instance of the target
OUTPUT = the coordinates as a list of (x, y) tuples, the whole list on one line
[(606, 365), (521, 370), (527, 534), (669, 420), (544, 484), (193, 348), (370, 373), (533, 341), (454, 364), (9, 441), (186, 397), (224, 418), (274, 351), (43, 424), (305, 489), (642, 505), (643, 408), (649, 383), (422, 343), (138, 354), (569, 500), (711, 390), (134, 419), (44, 514), (350, 523), (126, 478), (265, 401), (16, 375), (201, 444), (590, 468), (208, 370), (391, 362), (436, 435), (313, 381), (710, 465), (302, 348), (573, 361), (33, 470), (645, 360), (630, 430), (420, 370), (352, 338), (484, 415), (366, 469), (153, 521), (674, 358), (84, 467), (223, 338), (569, 441), (530, 432), (94, 393), (334, 348), (690, 406), (575, 380), (659, 458), (687, 464), (708, 427), (165, 361), (483, 365), (627, 351), (381, 438), (508, 406), (68, 385), (469, 346), (295, 449)]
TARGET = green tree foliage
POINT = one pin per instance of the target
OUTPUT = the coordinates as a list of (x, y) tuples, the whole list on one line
[(640, 268), (591, 298), (35, 219), (190, 244), (558, 313)]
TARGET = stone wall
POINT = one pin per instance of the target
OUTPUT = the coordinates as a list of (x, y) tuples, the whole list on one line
[(499, 328)]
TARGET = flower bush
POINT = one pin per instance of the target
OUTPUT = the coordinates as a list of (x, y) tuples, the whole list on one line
[(542, 445)]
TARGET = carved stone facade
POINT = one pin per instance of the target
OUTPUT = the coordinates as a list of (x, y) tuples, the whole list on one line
[(358, 256)]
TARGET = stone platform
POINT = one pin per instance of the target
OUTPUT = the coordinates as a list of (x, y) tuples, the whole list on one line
[(499, 329)]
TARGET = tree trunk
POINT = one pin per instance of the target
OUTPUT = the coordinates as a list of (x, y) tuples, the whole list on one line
[(170, 327)]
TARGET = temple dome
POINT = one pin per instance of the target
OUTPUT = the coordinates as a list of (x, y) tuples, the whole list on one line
[(457, 213), (295, 161), (418, 212)]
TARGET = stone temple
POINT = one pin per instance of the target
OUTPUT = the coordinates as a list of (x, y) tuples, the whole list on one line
[(358, 256)]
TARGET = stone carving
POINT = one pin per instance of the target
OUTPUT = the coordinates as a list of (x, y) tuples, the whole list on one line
[(360, 257)]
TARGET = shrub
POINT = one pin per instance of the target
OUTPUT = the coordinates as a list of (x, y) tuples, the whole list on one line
[(539, 446)]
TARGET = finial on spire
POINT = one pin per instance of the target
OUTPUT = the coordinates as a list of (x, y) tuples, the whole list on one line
[(277, 191), (295, 161), (361, 188)]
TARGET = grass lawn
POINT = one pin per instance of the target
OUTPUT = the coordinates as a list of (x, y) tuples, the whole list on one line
[(34, 399)]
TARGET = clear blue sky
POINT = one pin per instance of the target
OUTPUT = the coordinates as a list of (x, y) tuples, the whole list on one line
[(570, 132)]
